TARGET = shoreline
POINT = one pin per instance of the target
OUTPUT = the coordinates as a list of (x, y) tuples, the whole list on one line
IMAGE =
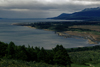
[(75, 34), (37, 28), (30, 27), (69, 34), (92, 38)]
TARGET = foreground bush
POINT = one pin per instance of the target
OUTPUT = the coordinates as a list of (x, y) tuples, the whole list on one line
[(57, 55), (19, 63)]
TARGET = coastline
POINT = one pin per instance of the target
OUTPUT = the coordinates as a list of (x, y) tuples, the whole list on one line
[(74, 34), (92, 38), (37, 28), (30, 27)]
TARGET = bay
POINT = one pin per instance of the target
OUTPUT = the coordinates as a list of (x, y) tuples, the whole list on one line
[(22, 35)]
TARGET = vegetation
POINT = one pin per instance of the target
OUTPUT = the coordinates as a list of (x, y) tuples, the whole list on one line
[(20, 63), (79, 49), (62, 26), (74, 57), (57, 55), (19, 56)]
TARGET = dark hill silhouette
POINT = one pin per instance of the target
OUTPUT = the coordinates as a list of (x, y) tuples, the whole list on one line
[(86, 14), (91, 12)]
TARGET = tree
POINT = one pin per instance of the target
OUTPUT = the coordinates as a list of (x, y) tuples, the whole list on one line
[(42, 55), (21, 53), (61, 56), (31, 54), (3, 49), (11, 50)]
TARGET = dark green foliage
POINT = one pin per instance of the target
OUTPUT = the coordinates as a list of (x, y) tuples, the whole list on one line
[(11, 50), (56, 56), (31, 54), (37, 49), (3, 48), (84, 57), (49, 57), (21, 53), (97, 47), (61, 56), (20, 63), (58, 47), (42, 55)]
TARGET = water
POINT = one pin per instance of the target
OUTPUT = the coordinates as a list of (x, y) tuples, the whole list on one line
[(21, 35)]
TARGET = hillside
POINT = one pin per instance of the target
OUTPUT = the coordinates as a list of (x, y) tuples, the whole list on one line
[(12, 55), (86, 14)]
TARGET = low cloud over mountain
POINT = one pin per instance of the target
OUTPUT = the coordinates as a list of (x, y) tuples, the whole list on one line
[(42, 8)]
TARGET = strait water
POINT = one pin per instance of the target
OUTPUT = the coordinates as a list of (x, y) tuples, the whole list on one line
[(21, 35)]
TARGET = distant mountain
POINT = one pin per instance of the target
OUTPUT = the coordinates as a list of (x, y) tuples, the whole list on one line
[(86, 14), (64, 15), (1, 18)]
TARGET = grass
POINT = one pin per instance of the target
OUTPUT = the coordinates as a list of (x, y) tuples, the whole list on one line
[(77, 65), (90, 27), (19, 63), (93, 28)]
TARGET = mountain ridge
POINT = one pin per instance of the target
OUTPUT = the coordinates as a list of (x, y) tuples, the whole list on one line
[(86, 14)]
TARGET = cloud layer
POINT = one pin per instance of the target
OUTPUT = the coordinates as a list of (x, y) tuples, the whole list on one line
[(42, 8)]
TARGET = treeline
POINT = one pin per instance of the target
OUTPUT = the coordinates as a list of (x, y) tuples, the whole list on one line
[(60, 25), (93, 48), (57, 55)]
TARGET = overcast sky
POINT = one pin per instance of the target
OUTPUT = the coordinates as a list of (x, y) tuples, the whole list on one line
[(43, 8)]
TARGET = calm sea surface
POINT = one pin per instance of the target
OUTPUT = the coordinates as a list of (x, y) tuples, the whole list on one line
[(21, 35)]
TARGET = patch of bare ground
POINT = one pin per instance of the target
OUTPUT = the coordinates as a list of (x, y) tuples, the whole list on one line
[(92, 38), (30, 27), (91, 27)]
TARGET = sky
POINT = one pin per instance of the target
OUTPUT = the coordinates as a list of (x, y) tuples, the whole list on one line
[(43, 8)]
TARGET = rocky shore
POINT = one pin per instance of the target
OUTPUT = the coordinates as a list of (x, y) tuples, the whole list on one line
[(92, 38), (74, 34)]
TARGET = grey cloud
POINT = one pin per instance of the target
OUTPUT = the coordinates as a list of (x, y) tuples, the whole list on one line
[(29, 14), (37, 9)]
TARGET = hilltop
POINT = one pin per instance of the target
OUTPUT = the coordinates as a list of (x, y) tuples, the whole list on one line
[(86, 14)]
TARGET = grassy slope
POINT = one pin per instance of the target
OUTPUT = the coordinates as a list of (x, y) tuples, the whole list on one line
[(19, 63), (91, 27), (85, 56)]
